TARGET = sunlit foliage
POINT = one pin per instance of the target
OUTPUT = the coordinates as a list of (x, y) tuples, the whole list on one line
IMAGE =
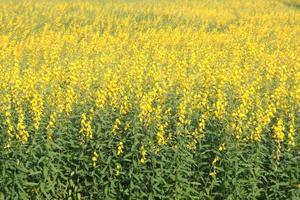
[(126, 86)]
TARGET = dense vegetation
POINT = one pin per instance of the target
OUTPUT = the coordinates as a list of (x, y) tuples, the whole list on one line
[(180, 99)]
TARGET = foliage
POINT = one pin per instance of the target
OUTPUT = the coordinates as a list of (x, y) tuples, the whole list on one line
[(149, 100)]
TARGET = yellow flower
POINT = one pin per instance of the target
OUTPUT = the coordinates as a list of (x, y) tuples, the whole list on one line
[(94, 158), (51, 125), (86, 125), (118, 169), (120, 148), (143, 154), (279, 131), (292, 131), (222, 147), (23, 134), (213, 174), (126, 126), (116, 126), (215, 160), (161, 134), (100, 99)]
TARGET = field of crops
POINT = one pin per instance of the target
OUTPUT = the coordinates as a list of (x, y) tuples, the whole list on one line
[(149, 99)]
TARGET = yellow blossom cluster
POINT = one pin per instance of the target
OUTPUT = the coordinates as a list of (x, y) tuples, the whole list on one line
[(175, 67)]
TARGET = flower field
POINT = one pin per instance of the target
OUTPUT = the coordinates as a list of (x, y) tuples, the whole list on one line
[(149, 99)]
